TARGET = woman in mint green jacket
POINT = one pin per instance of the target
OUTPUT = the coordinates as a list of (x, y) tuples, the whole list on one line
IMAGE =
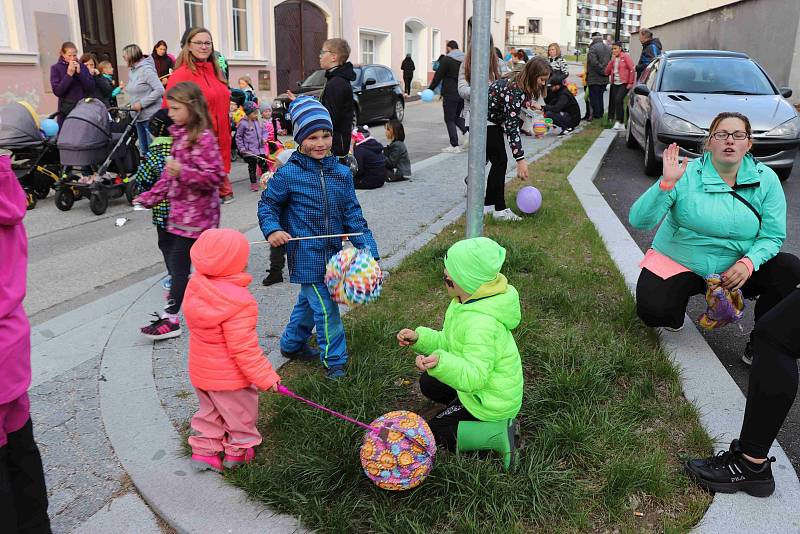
[(472, 365), (723, 213)]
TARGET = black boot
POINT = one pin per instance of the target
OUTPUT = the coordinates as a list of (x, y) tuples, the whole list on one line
[(729, 472), (273, 278)]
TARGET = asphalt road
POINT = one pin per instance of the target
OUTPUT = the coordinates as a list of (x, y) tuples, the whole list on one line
[(621, 180), (76, 257)]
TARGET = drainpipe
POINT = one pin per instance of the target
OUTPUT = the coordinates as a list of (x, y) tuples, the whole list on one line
[(341, 19)]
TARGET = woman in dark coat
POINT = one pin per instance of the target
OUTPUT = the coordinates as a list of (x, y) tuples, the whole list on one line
[(163, 61), (70, 80), (407, 66)]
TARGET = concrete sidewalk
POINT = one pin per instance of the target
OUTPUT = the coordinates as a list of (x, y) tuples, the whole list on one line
[(706, 383), (108, 405)]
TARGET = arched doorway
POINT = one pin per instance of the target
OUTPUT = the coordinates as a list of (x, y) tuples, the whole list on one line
[(300, 30), (416, 44)]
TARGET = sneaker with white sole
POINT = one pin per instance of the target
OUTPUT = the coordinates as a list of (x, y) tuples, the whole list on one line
[(488, 210), (505, 215), (452, 149), (161, 328), (464, 140), (747, 357)]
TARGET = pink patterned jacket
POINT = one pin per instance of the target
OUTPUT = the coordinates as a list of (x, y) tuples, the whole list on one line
[(193, 197)]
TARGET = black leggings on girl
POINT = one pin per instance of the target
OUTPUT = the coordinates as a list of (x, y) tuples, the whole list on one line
[(496, 156), (176, 249), (774, 376), (444, 425)]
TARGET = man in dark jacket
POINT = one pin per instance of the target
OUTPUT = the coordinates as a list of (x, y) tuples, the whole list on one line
[(651, 48), (407, 66), (337, 97), (453, 105), (560, 105), (596, 60)]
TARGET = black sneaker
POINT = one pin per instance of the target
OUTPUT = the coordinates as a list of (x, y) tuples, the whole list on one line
[(729, 472), (747, 357), (566, 131), (272, 278), (305, 354)]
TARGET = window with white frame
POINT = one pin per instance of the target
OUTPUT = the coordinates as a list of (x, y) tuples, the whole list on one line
[(4, 41), (436, 44), (241, 37), (193, 13), (534, 25), (367, 49)]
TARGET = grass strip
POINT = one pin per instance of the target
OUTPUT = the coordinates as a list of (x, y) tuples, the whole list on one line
[(604, 422)]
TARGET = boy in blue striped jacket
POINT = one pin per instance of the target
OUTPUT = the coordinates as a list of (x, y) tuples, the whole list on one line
[(311, 195)]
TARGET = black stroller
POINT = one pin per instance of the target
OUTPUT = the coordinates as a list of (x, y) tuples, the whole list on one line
[(34, 157), (91, 142)]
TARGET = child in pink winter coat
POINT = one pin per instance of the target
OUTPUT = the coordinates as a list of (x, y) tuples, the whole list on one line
[(190, 181), (23, 496)]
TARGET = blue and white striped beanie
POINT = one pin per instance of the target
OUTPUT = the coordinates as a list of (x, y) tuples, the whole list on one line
[(308, 116)]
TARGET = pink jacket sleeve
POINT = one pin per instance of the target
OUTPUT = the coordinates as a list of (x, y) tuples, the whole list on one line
[(242, 341)]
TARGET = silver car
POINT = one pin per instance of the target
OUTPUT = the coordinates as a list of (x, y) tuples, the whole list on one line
[(681, 92)]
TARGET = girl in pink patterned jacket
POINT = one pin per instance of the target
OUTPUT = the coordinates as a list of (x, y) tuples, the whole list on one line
[(190, 182)]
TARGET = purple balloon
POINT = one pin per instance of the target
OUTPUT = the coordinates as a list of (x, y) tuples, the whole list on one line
[(529, 199)]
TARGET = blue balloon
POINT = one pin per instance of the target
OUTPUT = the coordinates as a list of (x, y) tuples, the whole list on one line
[(426, 95), (49, 127)]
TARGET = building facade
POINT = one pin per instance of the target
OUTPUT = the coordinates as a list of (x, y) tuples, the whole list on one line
[(601, 16), (537, 23), (274, 42)]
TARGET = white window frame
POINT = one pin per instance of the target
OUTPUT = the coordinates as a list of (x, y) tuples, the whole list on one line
[(203, 4), (528, 27), (436, 43), (362, 40), (5, 41), (382, 45), (249, 16)]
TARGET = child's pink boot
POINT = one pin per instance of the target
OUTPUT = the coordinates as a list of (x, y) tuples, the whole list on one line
[(232, 461), (207, 463)]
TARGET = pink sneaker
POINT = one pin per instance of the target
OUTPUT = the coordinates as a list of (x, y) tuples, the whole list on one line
[(232, 461), (254, 188), (207, 463)]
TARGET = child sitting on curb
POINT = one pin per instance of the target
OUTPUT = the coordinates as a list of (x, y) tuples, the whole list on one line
[(226, 364), (313, 195), (473, 365)]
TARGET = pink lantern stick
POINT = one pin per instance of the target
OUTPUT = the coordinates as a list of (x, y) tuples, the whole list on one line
[(283, 390)]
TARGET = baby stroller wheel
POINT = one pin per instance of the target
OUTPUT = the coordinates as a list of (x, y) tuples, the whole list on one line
[(31, 199), (65, 198), (98, 202), (41, 191)]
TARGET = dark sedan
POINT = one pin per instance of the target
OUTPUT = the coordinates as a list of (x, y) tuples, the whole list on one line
[(377, 95)]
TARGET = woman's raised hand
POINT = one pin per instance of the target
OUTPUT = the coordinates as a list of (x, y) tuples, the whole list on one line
[(673, 168)]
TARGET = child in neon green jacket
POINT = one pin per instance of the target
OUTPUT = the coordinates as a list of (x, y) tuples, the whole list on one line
[(472, 365)]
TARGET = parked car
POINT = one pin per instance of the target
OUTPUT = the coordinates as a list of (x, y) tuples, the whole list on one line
[(681, 92), (378, 95)]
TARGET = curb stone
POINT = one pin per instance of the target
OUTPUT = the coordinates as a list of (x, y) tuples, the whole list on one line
[(706, 383)]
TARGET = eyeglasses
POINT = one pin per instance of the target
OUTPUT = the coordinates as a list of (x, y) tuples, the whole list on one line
[(448, 282), (202, 44), (323, 52), (738, 135)]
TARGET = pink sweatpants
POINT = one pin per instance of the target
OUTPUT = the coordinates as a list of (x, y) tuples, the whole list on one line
[(13, 416), (226, 421)]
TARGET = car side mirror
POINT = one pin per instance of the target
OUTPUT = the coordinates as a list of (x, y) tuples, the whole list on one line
[(370, 81), (641, 90), (786, 92)]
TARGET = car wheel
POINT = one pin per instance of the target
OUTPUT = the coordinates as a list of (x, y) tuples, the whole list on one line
[(630, 140), (784, 173), (651, 166), (399, 110)]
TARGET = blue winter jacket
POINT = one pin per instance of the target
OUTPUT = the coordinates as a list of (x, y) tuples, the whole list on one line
[(309, 197)]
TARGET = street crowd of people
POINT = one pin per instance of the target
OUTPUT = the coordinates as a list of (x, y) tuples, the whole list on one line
[(722, 213)]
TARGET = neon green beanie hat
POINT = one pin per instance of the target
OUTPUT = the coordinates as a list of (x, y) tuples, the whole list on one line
[(474, 262)]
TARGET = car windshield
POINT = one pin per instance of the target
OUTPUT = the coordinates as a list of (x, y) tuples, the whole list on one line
[(715, 76), (315, 79)]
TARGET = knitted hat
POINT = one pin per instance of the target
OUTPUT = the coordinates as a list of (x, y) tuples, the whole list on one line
[(220, 252), (250, 107), (474, 262), (308, 116), (264, 106)]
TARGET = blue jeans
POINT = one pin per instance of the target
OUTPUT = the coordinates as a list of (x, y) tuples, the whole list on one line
[(316, 308), (143, 133)]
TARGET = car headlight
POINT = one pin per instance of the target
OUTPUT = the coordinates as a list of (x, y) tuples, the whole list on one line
[(679, 125), (789, 128)]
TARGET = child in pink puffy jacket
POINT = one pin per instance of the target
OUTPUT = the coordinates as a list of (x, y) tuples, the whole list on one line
[(23, 496)]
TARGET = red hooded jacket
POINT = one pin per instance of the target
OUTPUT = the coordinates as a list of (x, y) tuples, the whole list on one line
[(224, 354)]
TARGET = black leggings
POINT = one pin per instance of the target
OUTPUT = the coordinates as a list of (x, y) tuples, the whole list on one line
[(23, 495), (277, 259), (252, 163), (176, 249), (774, 376), (616, 102), (453, 106), (496, 156), (662, 302), (444, 425)]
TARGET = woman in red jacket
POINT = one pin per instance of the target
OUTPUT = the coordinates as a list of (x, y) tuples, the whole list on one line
[(226, 364), (622, 74), (195, 64)]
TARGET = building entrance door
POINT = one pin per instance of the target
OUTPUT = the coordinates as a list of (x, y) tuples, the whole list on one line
[(300, 30), (97, 30)]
